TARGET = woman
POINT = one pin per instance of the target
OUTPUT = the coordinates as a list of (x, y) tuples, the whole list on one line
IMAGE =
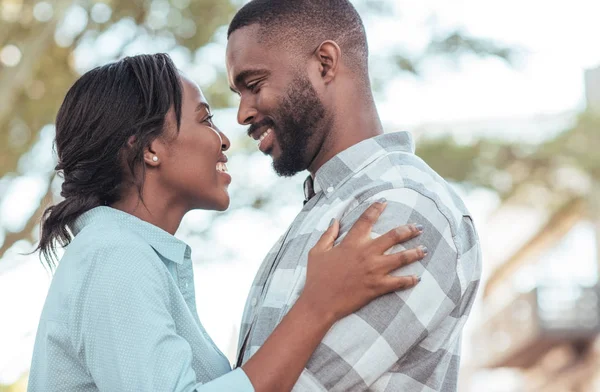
[(138, 150)]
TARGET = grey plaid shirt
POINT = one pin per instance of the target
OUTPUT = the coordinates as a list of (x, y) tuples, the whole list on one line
[(404, 341)]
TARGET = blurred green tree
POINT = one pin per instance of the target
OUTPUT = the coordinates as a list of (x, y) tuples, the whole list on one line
[(546, 175), (45, 45), (45, 36)]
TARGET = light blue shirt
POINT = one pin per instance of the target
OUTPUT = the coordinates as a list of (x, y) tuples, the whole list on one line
[(121, 315)]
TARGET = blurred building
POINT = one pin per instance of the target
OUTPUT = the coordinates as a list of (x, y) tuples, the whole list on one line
[(592, 81), (541, 305)]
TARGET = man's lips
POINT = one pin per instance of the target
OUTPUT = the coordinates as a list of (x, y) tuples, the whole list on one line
[(256, 130), (266, 141), (259, 132)]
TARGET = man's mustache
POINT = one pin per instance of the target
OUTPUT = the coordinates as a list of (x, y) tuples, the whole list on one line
[(264, 123)]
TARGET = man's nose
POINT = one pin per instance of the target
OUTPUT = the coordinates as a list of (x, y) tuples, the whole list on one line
[(246, 112)]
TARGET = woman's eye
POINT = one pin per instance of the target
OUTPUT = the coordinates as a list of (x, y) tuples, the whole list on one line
[(209, 120)]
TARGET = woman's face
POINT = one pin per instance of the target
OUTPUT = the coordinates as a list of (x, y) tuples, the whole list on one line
[(192, 166)]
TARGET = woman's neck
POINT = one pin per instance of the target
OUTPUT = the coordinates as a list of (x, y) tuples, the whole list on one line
[(155, 210)]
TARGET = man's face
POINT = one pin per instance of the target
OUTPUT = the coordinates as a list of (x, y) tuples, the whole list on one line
[(278, 101)]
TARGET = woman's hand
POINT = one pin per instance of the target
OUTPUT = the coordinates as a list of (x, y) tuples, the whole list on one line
[(341, 279)]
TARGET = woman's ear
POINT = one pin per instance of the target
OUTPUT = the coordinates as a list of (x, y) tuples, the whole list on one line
[(151, 159), (151, 153), (329, 55), (150, 156)]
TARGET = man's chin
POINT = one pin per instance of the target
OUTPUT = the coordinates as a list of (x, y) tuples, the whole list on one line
[(274, 152), (286, 169), (269, 153)]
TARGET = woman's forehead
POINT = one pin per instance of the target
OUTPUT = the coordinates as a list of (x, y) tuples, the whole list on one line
[(192, 91)]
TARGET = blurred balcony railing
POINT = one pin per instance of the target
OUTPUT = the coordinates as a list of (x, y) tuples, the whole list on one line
[(535, 322)]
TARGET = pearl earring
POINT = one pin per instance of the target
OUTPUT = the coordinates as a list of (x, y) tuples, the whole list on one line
[(155, 158)]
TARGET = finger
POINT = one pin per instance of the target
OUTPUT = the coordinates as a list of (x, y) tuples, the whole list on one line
[(396, 236), (328, 238), (362, 227), (394, 261), (395, 283)]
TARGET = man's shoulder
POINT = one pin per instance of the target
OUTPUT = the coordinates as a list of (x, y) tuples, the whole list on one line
[(405, 179), (397, 170)]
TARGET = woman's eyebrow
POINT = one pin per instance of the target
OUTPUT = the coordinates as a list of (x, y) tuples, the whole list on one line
[(203, 105)]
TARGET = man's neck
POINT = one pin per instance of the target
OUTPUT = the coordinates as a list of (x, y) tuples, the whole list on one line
[(350, 127)]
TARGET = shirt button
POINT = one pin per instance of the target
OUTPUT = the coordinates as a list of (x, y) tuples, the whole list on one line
[(187, 284), (254, 302), (330, 189)]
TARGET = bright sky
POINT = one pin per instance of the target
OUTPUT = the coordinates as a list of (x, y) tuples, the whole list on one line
[(561, 39)]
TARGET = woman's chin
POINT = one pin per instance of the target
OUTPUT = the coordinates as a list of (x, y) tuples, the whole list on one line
[(220, 203), (222, 208), (223, 204)]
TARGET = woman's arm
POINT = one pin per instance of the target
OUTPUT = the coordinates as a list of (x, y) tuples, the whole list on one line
[(339, 281), (129, 341)]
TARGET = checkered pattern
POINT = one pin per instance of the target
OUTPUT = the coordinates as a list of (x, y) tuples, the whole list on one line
[(404, 341)]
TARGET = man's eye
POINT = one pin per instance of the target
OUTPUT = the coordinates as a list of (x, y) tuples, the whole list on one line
[(253, 87)]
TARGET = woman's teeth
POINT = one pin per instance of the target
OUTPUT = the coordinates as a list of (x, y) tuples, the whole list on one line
[(264, 135), (221, 167)]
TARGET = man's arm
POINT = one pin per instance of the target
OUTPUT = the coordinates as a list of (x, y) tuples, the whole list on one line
[(364, 346)]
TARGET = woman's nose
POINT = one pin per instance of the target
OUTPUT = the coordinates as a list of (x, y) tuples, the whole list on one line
[(225, 142)]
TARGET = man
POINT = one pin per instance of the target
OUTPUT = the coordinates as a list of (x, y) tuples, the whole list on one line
[(300, 68)]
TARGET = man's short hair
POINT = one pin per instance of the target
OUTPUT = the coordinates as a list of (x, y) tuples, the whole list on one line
[(305, 24)]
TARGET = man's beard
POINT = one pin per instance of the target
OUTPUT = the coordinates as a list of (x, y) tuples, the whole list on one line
[(300, 117)]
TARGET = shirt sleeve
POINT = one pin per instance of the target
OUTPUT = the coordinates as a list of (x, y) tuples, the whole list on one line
[(235, 381), (361, 348), (127, 335)]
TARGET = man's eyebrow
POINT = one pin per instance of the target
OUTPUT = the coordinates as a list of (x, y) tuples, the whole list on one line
[(242, 76)]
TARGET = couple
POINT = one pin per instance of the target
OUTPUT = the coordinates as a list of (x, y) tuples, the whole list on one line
[(347, 300)]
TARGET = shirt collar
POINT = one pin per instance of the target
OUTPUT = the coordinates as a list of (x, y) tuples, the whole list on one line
[(162, 242), (335, 172)]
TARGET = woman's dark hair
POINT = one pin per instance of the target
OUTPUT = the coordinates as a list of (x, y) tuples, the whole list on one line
[(101, 113)]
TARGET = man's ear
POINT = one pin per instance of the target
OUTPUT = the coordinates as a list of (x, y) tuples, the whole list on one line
[(329, 56)]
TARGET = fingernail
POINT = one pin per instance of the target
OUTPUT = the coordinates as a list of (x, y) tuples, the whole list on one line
[(424, 249), (418, 279), (419, 228), (382, 200), (332, 222)]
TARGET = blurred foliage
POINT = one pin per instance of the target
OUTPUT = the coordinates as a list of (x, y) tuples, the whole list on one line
[(560, 168), (53, 37), (577, 147), (457, 42), (452, 45), (32, 90), (20, 385)]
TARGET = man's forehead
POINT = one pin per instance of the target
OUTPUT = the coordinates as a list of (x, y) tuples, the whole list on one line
[(244, 44), (245, 51), (247, 37)]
